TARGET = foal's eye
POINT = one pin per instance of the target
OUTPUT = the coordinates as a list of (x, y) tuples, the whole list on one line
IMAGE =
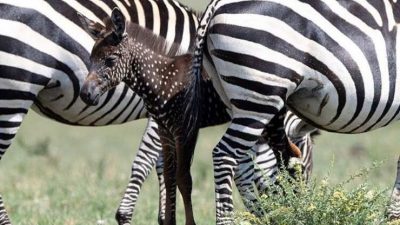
[(111, 60)]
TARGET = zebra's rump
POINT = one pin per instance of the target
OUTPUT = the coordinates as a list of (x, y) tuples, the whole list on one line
[(336, 67)]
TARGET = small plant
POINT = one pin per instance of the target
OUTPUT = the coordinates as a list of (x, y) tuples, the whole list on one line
[(295, 202)]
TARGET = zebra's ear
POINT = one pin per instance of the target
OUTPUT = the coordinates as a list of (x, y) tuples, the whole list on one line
[(118, 21), (94, 29)]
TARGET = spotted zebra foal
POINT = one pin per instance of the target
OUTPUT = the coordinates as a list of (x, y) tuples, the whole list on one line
[(393, 211), (131, 54)]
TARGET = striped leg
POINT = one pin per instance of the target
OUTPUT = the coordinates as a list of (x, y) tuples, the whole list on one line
[(16, 97), (252, 113), (244, 182), (11, 116), (162, 194), (258, 170), (301, 134), (305, 145), (265, 167), (4, 220), (145, 160), (241, 136), (393, 211)]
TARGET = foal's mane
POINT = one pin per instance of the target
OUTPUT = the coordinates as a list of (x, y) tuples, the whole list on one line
[(152, 41)]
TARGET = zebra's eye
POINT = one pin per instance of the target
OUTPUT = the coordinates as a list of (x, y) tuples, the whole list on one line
[(111, 60)]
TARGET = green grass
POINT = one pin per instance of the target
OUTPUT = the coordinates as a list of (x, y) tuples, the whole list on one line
[(58, 174)]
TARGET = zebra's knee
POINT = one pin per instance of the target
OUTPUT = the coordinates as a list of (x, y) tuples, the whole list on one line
[(222, 157), (123, 218)]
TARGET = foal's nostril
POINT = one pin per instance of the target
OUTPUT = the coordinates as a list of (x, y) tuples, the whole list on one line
[(90, 94)]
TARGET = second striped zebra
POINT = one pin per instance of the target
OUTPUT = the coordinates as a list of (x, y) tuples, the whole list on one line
[(333, 63)]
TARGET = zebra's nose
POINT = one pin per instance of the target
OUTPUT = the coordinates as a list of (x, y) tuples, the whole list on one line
[(90, 93)]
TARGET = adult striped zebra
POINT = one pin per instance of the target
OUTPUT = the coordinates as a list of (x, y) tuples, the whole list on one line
[(333, 63), (393, 211), (44, 54)]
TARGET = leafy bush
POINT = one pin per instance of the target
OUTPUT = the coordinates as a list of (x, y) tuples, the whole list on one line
[(295, 202)]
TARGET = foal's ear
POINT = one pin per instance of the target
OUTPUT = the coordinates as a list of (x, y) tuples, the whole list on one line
[(118, 21), (94, 29)]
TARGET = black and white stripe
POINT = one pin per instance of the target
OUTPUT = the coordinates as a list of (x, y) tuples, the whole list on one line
[(333, 63), (44, 54)]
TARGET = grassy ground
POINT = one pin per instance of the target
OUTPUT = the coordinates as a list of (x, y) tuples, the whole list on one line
[(58, 174)]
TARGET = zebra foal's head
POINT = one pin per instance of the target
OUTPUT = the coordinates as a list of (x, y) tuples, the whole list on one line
[(108, 58)]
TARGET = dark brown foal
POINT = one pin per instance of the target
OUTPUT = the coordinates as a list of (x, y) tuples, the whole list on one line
[(128, 53)]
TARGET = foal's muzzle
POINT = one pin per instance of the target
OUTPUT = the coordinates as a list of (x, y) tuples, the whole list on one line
[(90, 91)]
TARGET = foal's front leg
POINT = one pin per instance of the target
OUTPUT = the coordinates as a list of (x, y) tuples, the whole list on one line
[(168, 150)]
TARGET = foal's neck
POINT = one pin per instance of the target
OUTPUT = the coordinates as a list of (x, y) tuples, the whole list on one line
[(160, 80)]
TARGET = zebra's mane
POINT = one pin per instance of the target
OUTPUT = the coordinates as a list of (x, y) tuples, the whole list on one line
[(142, 35)]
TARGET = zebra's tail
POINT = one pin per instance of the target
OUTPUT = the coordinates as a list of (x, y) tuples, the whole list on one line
[(193, 94)]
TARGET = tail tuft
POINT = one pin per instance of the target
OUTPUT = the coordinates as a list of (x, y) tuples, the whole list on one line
[(193, 93)]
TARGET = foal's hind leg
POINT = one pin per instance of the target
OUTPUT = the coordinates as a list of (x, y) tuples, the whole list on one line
[(168, 151), (184, 157), (149, 152)]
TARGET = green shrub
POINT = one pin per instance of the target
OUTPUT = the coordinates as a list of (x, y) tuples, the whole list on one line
[(295, 202)]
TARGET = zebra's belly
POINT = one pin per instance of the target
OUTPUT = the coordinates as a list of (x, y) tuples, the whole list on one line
[(317, 109), (321, 105), (62, 104)]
